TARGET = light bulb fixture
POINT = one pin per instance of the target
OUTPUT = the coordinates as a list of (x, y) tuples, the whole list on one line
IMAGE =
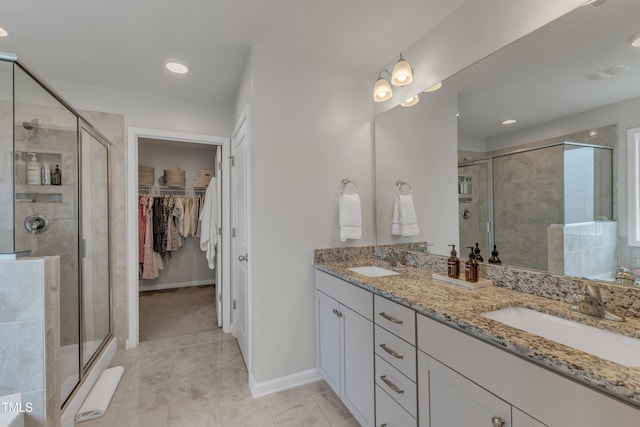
[(509, 121), (3, 32), (410, 102), (434, 87), (402, 74), (635, 40), (382, 89), (175, 66)]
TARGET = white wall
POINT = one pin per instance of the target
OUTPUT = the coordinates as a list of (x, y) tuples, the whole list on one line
[(148, 111), (310, 129), (418, 145)]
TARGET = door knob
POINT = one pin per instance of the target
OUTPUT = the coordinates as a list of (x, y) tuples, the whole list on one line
[(497, 422), (243, 258)]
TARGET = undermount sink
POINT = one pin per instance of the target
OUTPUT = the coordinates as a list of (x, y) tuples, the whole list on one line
[(373, 271), (605, 344)]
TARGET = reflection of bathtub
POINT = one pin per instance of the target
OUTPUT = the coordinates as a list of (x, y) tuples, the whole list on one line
[(69, 366), (11, 411)]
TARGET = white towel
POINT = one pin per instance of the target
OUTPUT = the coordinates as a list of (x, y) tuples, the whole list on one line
[(350, 217), (209, 220), (100, 396), (404, 222)]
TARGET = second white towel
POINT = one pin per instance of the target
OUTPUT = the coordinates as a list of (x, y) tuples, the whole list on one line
[(404, 222), (350, 217)]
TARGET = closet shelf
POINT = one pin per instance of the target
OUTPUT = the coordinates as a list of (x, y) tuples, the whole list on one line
[(164, 189)]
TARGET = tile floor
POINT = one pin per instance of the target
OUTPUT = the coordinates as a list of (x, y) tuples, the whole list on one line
[(200, 379)]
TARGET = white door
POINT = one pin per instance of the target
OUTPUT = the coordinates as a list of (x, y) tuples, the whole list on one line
[(218, 178), (240, 236)]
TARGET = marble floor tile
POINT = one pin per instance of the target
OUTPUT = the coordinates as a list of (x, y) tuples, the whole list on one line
[(199, 379)]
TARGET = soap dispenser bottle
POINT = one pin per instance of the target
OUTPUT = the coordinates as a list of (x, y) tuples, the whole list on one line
[(21, 169), (56, 176), (453, 264), (33, 170), (471, 267), (477, 254), (495, 259)]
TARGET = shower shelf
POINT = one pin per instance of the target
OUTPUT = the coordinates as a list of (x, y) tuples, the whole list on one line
[(39, 197)]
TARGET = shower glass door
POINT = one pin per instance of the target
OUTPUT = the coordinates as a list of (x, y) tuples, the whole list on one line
[(475, 207), (46, 138), (95, 244)]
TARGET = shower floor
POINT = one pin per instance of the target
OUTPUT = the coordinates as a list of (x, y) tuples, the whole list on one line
[(175, 312)]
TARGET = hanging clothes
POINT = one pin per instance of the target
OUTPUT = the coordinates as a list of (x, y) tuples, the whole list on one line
[(209, 224)]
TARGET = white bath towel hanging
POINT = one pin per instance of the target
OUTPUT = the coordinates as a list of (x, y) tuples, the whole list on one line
[(404, 221), (350, 217), (209, 224)]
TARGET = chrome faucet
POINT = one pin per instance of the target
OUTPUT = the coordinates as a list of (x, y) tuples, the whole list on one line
[(394, 258), (590, 302)]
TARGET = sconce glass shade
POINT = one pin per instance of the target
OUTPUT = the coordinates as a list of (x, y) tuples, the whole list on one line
[(411, 101), (434, 87), (402, 74), (382, 90)]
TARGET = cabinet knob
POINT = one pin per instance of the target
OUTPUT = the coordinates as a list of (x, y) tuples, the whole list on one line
[(497, 422)]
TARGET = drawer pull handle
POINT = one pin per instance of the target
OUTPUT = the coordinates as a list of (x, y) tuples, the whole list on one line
[(391, 318), (391, 385), (497, 422), (391, 352)]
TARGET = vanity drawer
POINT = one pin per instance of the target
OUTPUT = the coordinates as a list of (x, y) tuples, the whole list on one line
[(349, 295), (395, 318), (389, 413), (396, 351), (397, 385)]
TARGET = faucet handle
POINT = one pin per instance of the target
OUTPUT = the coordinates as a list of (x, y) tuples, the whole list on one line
[(591, 288)]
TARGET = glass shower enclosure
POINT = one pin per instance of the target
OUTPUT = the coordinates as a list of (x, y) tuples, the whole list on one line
[(54, 201)]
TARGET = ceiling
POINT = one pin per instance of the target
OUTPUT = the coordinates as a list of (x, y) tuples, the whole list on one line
[(122, 44), (539, 77)]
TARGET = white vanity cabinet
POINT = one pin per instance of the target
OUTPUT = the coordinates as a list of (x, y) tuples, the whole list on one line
[(344, 343), (465, 381)]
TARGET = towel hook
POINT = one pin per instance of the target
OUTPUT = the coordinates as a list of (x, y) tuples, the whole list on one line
[(400, 184), (345, 182)]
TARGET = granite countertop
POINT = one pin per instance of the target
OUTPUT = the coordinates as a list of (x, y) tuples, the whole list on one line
[(461, 308)]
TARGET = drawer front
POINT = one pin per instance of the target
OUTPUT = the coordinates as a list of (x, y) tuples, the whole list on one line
[(397, 385), (396, 351), (395, 318), (355, 298), (389, 413)]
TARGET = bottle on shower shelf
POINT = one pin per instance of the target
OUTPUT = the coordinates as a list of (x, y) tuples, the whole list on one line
[(56, 176), (21, 169), (33, 170)]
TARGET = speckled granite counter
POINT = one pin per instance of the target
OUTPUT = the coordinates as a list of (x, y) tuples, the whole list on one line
[(461, 308)]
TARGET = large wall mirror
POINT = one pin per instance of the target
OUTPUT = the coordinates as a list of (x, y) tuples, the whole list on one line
[(550, 190)]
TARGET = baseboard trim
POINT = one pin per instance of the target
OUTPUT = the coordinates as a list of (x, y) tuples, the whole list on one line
[(160, 286), (259, 389)]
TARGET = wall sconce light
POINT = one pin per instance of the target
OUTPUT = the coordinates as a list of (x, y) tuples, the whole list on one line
[(411, 101), (402, 74), (382, 89)]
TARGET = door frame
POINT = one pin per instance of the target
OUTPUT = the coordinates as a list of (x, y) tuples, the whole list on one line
[(131, 181)]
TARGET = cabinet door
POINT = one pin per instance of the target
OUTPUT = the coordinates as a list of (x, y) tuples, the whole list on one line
[(357, 386), (448, 399), (328, 340)]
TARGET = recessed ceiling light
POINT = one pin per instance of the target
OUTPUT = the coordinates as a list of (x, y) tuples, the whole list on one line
[(509, 122), (176, 66), (635, 40), (3, 32), (434, 87)]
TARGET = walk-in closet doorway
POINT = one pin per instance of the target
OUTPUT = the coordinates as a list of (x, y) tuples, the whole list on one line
[(187, 267)]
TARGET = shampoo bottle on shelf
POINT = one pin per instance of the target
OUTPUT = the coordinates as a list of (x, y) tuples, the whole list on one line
[(471, 267), (33, 170), (453, 263), (56, 176), (21, 169)]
